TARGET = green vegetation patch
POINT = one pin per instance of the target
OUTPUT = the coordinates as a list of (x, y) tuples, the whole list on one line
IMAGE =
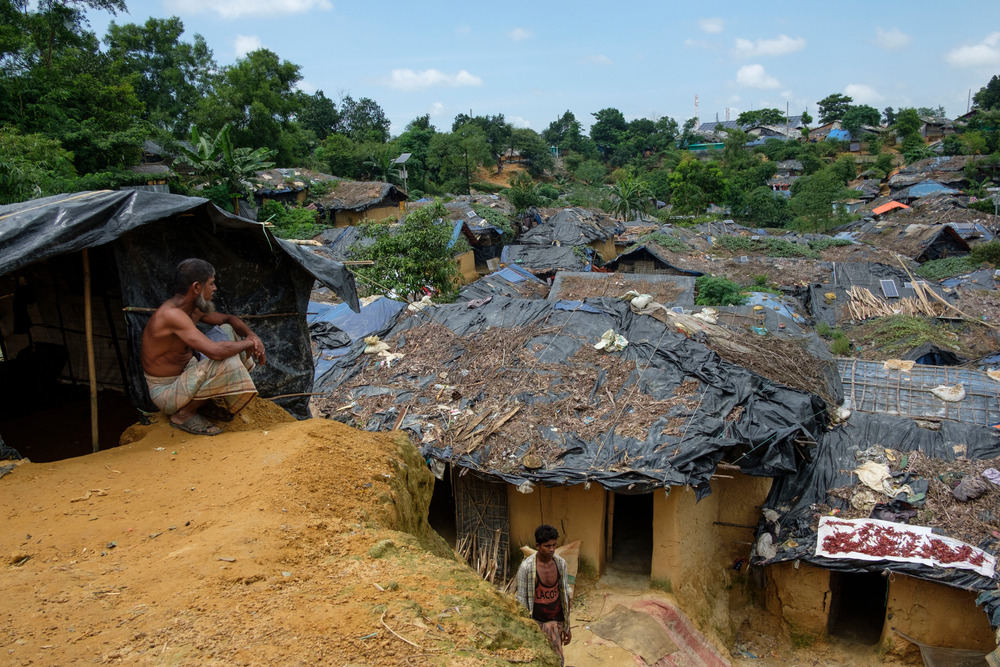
[(669, 242), (939, 269), (290, 223), (718, 291), (495, 218), (770, 247), (903, 332), (820, 245)]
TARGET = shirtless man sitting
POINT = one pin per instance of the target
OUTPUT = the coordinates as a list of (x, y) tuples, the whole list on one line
[(179, 383)]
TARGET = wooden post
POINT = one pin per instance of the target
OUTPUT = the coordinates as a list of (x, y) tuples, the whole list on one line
[(91, 366)]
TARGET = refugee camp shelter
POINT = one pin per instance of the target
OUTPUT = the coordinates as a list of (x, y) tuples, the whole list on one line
[(668, 290), (544, 261), (648, 260), (124, 247), (887, 207), (510, 281), (287, 185), (576, 227), (524, 422), (354, 201), (870, 598), (919, 242)]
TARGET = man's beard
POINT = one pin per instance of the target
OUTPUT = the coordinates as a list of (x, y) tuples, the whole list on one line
[(204, 305)]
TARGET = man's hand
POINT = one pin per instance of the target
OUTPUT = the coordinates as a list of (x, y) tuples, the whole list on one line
[(258, 349), (567, 636)]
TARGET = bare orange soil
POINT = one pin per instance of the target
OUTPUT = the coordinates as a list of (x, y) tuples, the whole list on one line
[(266, 545)]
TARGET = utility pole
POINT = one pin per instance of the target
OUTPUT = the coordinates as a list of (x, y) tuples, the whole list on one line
[(968, 103)]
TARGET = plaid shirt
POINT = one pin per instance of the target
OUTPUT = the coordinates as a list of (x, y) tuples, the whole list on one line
[(526, 585)]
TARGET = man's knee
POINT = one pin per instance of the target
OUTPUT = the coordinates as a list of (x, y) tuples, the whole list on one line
[(229, 331)]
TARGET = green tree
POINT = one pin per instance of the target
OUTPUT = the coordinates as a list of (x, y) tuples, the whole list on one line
[(813, 197), (455, 157), (522, 193), (591, 172), (221, 163), (858, 115), (761, 117), (256, 97), (988, 97), (169, 76), (833, 107), (695, 184), (416, 253), (363, 120), (888, 116), (31, 166), (416, 140), (609, 127), (497, 132), (533, 150), (630, 197), (806, 118), (933, 112), (381, 164), (318, 114)]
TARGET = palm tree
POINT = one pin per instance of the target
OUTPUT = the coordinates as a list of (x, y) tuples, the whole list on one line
[(382, 166), (630, 196)]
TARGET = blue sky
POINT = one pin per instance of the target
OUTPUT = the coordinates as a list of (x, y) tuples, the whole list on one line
[(533, 61)]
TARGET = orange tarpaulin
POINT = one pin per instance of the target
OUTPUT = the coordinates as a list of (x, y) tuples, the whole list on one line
[(888, 207)]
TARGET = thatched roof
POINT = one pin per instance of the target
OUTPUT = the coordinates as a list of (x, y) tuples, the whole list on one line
[(362, 195)]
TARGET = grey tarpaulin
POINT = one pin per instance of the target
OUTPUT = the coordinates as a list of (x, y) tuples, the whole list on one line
[(831, 467), (149, 233), (571, 227), (761, 439), (512, 281), (547, 259)]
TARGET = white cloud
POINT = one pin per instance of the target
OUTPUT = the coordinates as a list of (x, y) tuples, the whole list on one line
[(695, 44), (306, 87), (712, 25), (786, 95), (244, 44), (231, 9), (862, 94), (462, 30), (407, 79), (638, 56), (517, 121), (595, 60), (520, 34), (436, 109), (984, 54), (779, 46), (754, 76), (892, 39)]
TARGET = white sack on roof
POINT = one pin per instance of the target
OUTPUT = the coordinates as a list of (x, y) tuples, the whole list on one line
[(949, 394)]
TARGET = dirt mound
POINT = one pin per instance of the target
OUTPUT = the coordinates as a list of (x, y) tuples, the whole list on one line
[(283, 543)]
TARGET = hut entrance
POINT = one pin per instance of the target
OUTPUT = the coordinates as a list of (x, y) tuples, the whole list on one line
[(441, 515), (857, 606), (482, 524), (630, 522)]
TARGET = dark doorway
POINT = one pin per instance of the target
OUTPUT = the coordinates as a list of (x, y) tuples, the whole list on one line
[(857, 606), (632, 535), (56, 426), (441, 515)]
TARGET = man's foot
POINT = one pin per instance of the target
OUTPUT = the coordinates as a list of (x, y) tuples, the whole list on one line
[(216, 412), (197, 425)]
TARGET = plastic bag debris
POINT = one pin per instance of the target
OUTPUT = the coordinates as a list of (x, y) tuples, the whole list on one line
[(420, 305), (969, 488), (898, 365), (611, 342), (710, 315), (993, 475), (949, 394)]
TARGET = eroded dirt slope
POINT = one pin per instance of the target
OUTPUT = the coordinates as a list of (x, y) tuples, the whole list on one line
[(266, 545)]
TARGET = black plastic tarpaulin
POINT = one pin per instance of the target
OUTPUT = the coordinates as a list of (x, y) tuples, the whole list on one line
[(793, 497), (149, 233), (761, 440)]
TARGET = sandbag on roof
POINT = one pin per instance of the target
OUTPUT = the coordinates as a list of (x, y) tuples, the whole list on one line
[(662, 412)]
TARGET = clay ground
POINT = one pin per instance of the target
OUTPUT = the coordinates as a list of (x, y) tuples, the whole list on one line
[(276, 543), (261, 546)]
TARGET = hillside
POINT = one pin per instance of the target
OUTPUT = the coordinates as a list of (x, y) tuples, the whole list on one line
[(268, 544)]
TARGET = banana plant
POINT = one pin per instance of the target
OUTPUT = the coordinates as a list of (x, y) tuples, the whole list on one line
[(630, 195), (219, 162)]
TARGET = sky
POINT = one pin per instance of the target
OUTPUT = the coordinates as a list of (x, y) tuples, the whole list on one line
[(533, 61)]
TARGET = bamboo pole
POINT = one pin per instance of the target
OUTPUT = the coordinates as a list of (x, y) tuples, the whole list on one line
[(91, 366)]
